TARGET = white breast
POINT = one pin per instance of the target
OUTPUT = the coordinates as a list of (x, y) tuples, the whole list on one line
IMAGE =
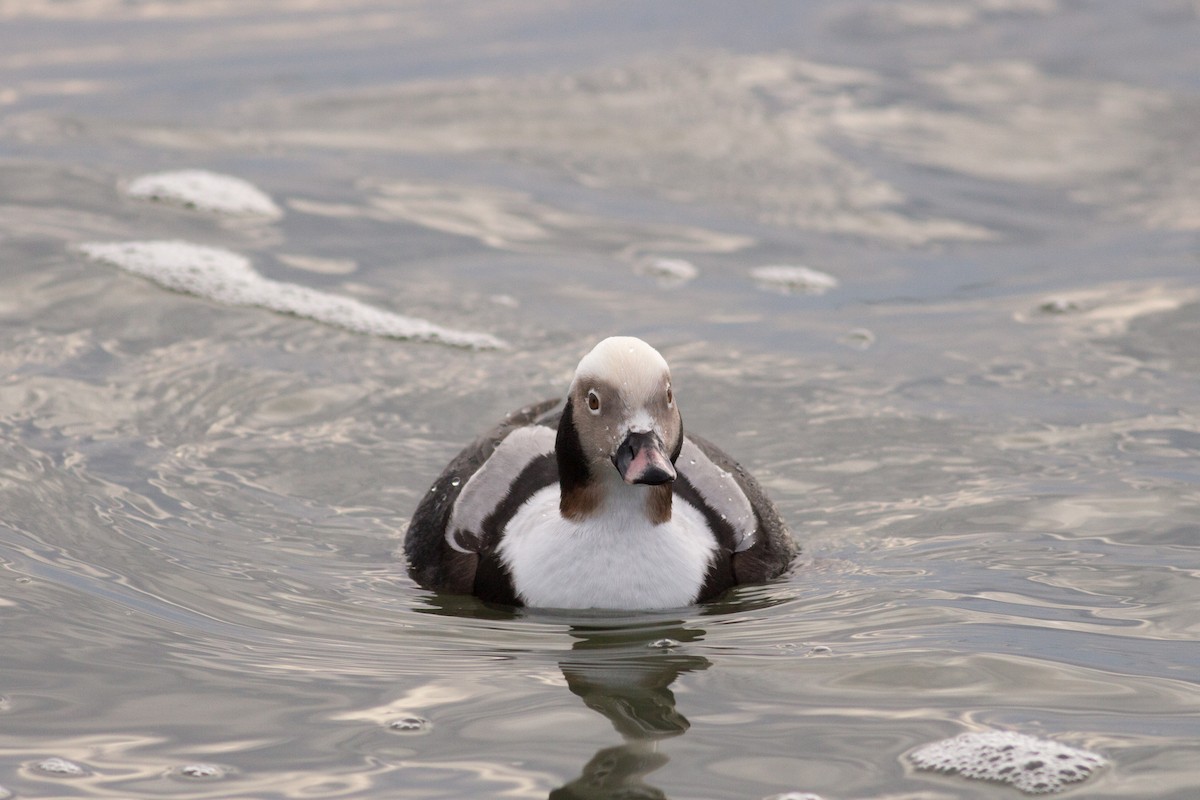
[(615, 559)]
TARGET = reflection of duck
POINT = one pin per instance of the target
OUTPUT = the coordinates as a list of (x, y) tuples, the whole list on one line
[(617, 672), (604, 503), (616, 772)]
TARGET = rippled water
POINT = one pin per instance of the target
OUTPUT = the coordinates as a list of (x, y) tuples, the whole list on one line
[(986, 436)]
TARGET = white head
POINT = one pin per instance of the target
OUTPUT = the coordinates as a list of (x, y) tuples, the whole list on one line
[(622, 415)]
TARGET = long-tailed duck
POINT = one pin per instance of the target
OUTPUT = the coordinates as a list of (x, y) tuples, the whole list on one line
[(602, 503)]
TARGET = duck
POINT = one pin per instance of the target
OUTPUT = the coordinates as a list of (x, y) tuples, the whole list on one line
[(597, 500)]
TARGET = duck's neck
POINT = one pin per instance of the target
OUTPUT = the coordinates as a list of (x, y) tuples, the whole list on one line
[(579, 498), (579, 502)]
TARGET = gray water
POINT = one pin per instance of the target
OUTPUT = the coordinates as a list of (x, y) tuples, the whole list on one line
[(987, 437)]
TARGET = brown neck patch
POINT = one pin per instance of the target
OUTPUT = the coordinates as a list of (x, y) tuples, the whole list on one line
[(658, 503), (580, 501)]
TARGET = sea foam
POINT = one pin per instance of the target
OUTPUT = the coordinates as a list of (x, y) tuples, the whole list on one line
[(668, 271), (228, 277), (794, 280), (1032, 765), (206, 191)]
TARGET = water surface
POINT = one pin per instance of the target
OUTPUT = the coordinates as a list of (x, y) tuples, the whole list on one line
[(986, 437)]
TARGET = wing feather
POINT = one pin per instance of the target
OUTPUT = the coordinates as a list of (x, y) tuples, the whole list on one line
[(431, 562)]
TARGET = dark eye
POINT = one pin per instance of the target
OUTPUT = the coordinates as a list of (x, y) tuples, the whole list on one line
[(670, 397), (593, 401)]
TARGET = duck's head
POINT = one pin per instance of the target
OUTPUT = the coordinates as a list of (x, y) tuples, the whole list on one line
[(621, 418)]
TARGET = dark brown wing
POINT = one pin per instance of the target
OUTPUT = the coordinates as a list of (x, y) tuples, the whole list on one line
[(767, 550)]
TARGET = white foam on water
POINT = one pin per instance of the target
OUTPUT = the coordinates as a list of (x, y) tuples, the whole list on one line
[(60, 767), (858, 338), (669, 271), (207, 191), (202, 772), (1035, 766), (794, 279), (1106, 310), (954, 14), (227, 277)]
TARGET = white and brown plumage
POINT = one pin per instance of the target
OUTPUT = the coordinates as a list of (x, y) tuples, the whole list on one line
[(602, 503)]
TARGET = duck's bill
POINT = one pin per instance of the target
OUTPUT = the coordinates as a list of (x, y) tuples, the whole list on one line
[(642, 458)]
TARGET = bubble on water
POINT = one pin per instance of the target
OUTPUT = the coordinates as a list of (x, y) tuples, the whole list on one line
[(793, 280), (1035, 766), (201, 772), (1059, 305), (820, 650), (858, 338), (455, 481), (59, 767), (206, 191), (663, 644), (410, 724), (227, 277), (668, 271)]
